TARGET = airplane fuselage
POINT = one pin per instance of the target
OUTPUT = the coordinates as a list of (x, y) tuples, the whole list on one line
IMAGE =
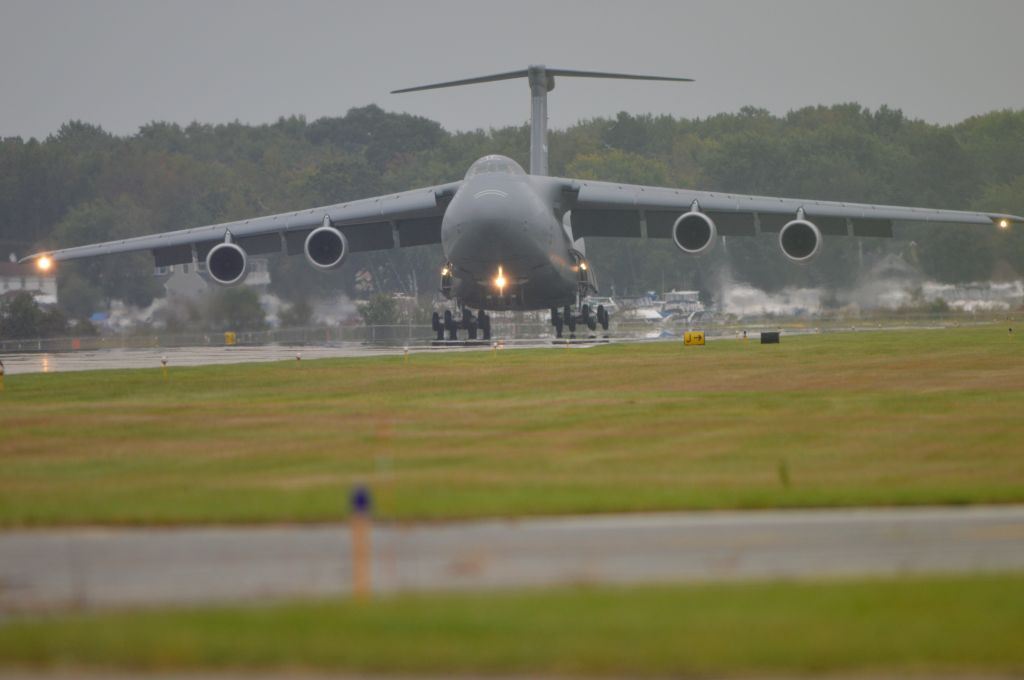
[(504, 240)]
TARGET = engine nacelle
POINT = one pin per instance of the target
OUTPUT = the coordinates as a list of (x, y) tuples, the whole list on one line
[(227, 264), (800, 240), (694, 233), (326, 248)]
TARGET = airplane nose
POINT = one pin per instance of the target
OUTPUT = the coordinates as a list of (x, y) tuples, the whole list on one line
[(490, 229)]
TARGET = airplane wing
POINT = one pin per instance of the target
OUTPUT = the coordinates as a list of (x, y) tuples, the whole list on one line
[(609, 209), (410, 218)]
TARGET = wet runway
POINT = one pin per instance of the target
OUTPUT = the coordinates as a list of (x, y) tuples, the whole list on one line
[(54, 362), (115, 358), (104, 359), (139, 567)]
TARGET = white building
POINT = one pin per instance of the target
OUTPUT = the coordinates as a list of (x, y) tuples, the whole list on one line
[(15, 277)]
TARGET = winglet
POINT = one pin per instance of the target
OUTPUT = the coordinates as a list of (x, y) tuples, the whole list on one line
[(1004, 221), (43, 261)]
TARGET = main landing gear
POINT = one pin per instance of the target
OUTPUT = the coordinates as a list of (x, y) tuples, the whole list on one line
[(473, 324), (567, 318)]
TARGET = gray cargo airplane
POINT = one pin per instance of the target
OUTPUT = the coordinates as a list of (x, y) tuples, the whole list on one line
[(514, 240)]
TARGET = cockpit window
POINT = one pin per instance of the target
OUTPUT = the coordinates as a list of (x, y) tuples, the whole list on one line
[(496, 164)]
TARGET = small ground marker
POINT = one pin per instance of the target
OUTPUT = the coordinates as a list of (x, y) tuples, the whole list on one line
[(361, 505)]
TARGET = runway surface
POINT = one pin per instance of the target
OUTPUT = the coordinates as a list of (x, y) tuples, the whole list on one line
[(54, 362), (138, 567), (178, 356)]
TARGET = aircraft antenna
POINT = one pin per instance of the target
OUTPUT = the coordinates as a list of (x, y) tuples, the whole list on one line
[(542, 81)]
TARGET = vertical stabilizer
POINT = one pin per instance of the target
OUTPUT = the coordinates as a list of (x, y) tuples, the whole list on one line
[(542, 81), (540, 84)]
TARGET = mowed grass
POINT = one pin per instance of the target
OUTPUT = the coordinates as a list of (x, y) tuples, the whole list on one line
[(900, 627), (910, 417)]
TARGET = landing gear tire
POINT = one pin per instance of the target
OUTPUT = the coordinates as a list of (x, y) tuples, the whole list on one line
[(437, 326), (483, 322), (556, 321), (450, 325), (570, 321), (469, 323), (602, 317), (588, 318)]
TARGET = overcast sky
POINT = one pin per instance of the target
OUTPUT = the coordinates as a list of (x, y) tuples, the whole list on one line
[(121, 64)]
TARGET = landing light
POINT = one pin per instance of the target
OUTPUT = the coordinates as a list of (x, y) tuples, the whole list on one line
[(500, 281), (1003, 224), (44, 263), (583, 266), (445, 271)]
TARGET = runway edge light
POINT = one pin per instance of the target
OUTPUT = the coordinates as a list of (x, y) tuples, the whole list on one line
[(361, 503)]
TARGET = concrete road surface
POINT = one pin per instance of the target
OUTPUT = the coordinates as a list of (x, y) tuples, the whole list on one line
[(138, 567)]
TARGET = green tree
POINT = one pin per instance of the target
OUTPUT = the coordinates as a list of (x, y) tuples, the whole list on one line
[(21, 317), (298, 314), (236, 309), (380, 310), (127, 277)]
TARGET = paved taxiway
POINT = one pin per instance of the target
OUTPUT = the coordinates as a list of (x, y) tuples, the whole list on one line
[(101, 567)]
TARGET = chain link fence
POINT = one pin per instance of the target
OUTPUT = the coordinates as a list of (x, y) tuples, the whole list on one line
[(504, 327)]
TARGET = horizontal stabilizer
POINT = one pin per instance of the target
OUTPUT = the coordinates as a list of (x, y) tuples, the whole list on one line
[(468, 81), (524, 73)]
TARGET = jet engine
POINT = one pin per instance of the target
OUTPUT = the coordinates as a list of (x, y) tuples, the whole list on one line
[(226, 263), (694, 233), (800, 240), (326, 248)]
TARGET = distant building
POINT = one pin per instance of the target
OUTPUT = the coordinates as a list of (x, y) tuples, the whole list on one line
[(681, 302), (16, 277)]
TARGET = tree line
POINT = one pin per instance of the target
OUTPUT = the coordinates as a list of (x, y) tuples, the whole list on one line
[(83, 184)]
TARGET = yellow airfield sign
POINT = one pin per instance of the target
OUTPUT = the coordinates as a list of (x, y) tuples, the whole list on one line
[(693, 338)]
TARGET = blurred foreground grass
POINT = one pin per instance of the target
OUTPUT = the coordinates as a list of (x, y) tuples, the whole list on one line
[(912, 417), (904, 626)]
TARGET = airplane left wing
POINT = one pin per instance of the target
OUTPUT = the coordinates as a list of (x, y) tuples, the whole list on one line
[(405, 219), (609, 209)]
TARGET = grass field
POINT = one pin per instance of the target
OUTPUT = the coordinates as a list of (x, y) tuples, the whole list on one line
[(908, 417), (899, 627)]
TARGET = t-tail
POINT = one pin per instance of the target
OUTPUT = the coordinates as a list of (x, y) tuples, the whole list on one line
[(542, 81)]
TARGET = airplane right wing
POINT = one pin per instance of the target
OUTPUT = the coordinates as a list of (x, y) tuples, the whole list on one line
[(608, 209)]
